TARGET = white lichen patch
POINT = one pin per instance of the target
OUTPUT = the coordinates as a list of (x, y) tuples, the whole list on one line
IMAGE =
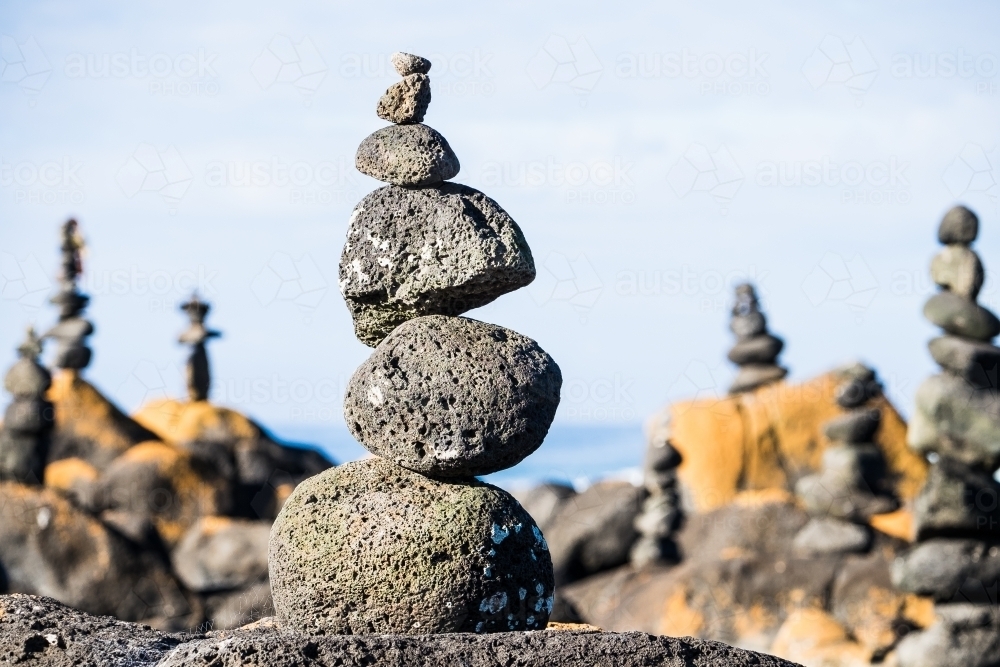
[(494, 604), (375, 396), (539, 538), (522, 593), (499, 533)]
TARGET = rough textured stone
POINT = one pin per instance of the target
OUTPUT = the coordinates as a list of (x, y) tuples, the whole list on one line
[(27, 379), (856, 392), (369, 548), (594, 530), (959, 225), (956, 420), (762, 349), (821, 496), (957, 500), (407, 63), (408, 155), (49, 547), (976, 362), (949, 569), (855, 426), (40, 631), (965, 635), (440, 250), (825, 535), (454, 397), (753, 376), (961, 317), (219, 553), (406, 101), (748, 325), (958, 269)]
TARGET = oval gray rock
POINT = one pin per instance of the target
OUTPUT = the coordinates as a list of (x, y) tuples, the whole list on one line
[(407, 63), (371, 548), (762, 349), (406, 101), (961, 317), (954, 419), (959, 270), (972, 360), (855, 426), (959, 225), (453, 397), (409, 155), (752, 376), (439, 250)]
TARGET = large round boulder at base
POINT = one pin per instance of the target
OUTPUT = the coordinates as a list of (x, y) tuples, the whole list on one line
[(453, 397), (438, 250), (43, 633), (369, 547)]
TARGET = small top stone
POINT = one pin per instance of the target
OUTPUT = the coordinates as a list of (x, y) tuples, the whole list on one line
[(407, 63), (959, 225)]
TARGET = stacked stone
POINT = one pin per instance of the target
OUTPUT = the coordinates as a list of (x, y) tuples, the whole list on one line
[(198, 376), (28, 420), (851, 485), (956, 423), (661, 510), (72, 330), (756, 351), (409, 541)]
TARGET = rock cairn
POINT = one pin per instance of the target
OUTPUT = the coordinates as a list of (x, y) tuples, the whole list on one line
[(72, 330), (409, 541), (851, 485), (661, 510), (198, 377), (956, 423), (28, 420), (756, 351)]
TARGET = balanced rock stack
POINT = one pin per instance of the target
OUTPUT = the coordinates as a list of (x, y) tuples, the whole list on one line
[(72, 330), (756, 351), (198, 376), (661, 510), (409, 541), (28, 420), (852, 484), (957, 424)]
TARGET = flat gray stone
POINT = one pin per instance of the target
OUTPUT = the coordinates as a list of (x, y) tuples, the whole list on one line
[(762, 349), (454, 397), (959, 225), (963, 635), (752, 376), (407, 63), (947, 569), (371, 548), (219, 553), (27, 379), (406, 101), (957, 500), (439, 250), (961, 317), (857, 390), (954, 419), (825, 496), (408, 155), (958, 269), (826, 535), (974, 361), (859, 425)]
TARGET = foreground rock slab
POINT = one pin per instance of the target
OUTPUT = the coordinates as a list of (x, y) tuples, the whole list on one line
[(43, 633)]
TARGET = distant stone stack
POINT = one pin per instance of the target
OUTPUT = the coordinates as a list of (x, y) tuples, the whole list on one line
[(851, 486), (199, 378), (661, 510), (28, 420), (956, 424), (756, 351), (409, 541), (72, 330)]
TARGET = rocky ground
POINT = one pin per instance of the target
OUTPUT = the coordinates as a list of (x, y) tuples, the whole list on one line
[(40, 631)]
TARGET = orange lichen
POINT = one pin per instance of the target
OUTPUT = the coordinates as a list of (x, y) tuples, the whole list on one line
[(919, 611), (66, 473), (813, 637), (678, 619), (572, 627), (898, 524), (178, 422), (768, 438), (758, 497)]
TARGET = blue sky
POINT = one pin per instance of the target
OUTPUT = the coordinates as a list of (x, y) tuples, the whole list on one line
[(653, 154)]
